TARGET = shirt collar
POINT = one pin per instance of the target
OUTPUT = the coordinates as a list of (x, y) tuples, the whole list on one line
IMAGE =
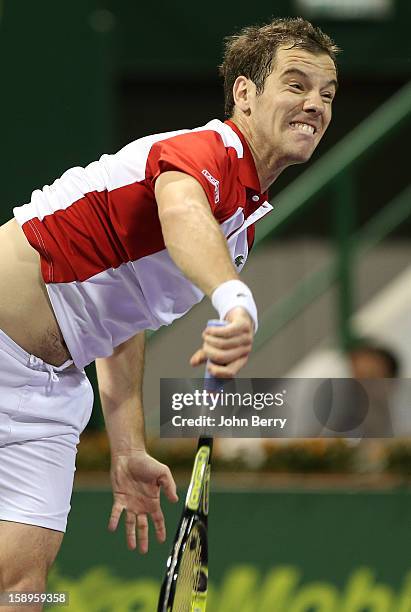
[(248, 172)]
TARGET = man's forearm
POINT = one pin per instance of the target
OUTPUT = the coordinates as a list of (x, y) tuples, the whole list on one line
[(191, 234), (120, 379)]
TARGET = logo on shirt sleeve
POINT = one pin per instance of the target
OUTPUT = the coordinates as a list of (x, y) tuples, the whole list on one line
[(215, 183)]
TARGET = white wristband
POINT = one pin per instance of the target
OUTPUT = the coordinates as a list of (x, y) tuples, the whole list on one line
[(232, 294)]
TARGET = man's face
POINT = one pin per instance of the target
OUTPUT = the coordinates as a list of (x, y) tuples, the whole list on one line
[(294, 110)]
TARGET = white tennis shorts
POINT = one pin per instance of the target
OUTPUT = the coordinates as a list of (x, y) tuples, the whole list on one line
[(43, 410)]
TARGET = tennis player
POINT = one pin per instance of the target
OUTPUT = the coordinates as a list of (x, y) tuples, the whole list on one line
[(129, 243)]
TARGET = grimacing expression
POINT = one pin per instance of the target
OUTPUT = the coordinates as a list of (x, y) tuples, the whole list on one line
[(294, 110)]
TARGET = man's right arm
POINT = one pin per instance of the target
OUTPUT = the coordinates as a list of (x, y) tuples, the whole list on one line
[(191, 234), (197, 246)]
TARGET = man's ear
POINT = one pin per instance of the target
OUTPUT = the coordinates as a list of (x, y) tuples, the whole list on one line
[(242, 92)]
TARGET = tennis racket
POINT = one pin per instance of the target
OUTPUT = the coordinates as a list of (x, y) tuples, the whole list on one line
[(184, 587)]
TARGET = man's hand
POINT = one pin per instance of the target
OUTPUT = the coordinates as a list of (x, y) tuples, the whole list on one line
[(227, 347), (136, 480)]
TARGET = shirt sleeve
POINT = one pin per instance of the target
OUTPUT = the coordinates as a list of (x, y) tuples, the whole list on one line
[(201, 154)]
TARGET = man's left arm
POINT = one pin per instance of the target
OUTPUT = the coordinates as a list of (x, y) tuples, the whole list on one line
[(136, 477)]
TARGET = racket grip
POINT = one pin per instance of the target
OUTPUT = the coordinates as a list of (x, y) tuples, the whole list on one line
[(211, 383)]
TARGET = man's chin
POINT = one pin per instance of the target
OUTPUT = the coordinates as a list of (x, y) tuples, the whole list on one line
[(300, 157)]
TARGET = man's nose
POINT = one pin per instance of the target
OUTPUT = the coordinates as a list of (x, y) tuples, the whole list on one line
[(314, 104)]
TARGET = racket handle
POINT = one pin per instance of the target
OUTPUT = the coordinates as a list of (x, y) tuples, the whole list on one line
[(210, 383), (216, 323)]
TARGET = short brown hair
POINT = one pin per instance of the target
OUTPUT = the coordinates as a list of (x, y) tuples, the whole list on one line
[(251, 51)]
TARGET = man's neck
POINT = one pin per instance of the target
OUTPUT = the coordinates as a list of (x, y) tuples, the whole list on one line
[(267, 163)]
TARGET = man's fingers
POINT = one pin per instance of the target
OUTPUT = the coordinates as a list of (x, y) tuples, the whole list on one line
[(244, 339), (131, 530), (159, 525), (230, 330), (142, 528), (222, 357), (115, 516), (221, 371), (226, 344), (198, 358)]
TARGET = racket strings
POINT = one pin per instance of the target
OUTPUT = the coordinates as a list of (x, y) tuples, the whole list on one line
[(189, 574)]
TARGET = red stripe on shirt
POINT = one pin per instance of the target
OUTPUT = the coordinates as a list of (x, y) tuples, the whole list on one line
[(101, 230)]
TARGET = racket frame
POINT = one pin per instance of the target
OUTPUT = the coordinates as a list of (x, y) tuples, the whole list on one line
[(195, 514)]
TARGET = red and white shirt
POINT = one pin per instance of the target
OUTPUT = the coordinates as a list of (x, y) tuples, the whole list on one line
[(107, 271)]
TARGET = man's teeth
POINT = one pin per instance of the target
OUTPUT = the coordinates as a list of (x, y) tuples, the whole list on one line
[(303, 126)]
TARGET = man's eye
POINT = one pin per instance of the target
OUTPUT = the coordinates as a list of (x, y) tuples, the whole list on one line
[(296, 86), (328, 96)]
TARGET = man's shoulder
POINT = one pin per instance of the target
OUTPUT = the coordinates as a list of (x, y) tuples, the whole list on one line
[(211, 150), (223, 133), (214, 134)]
